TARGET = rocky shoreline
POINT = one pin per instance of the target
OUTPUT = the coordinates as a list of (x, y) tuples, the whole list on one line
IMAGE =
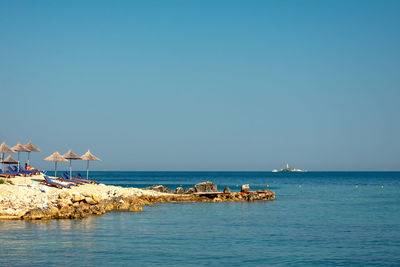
[(25, 199)]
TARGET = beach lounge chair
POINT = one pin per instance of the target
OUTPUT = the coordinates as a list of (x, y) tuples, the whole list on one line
[(15, 168), (66, 175), (34, 171), (10, 170), (65, 178), (84, 181), (79, 177), (48, 181), (6, 175), (31, 171)]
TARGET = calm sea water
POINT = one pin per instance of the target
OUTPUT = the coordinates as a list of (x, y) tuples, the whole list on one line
[(322, 219)]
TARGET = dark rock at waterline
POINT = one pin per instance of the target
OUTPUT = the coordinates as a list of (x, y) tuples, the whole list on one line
[(245, 188), (179, 190), (36, 214), (206, 187), (159, 188), (189, 190), (227, 190)]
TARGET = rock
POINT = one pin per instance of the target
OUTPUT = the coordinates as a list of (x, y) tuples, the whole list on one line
[(245, 188), (66, 212), (206, 187), (123, 205), (96, 198), (84, 207), (189, 191), (37, 214), (64, 195), (227, 190), (135, 208), (97, 210), (90, 201), (179, 190), (61, 202), (159, 188), (77, 197)]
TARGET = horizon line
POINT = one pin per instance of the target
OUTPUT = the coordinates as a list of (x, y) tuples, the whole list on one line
[(228, 171)]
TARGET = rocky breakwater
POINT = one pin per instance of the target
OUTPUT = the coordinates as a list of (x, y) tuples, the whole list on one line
[(34, 202), (77, 206), (208, 192)]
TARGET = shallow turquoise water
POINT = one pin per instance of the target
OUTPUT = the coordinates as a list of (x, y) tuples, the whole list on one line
[(326, 221)]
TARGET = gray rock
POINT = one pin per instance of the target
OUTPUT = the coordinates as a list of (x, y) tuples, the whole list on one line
[(159, 188), (189, 191), (245, 188), (227, 190), (37, 214), (206, 187), (179, 190)]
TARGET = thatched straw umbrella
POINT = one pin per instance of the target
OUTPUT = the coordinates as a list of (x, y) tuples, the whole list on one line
[(20, 148), (4, 149), (56, 157), (32, 148), (89, 157), (9, 160), (71, 156)]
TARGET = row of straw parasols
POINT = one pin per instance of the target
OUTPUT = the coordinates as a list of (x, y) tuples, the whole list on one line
[(4, 149), (56, 157), (70, 156)]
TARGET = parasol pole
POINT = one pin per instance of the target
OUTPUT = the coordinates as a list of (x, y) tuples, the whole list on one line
[(70, 168), (18, 162), (87, 170), (55, 169)]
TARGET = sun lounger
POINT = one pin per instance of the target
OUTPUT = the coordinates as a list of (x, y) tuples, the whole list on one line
[(6, 175), (10, 170), (64, 178), (21, 169), (35, 171), (30, 171), (79, 177), (15, 168), (48, 181)]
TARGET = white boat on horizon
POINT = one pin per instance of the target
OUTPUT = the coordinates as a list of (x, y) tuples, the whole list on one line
[(288, 169)]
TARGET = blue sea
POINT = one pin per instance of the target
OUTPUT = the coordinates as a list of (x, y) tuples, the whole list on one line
[(317, 219)]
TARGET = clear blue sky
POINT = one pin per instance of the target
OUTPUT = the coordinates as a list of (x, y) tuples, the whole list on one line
[(204, 85)]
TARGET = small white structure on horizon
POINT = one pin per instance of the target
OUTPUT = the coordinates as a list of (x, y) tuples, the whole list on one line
[(288, 169)]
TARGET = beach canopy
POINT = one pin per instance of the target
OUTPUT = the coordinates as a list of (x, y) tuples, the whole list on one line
[(71, 156), (4, 149), (89, 157), (56, 157), (9, 160), (32, 148), (20, 148)]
